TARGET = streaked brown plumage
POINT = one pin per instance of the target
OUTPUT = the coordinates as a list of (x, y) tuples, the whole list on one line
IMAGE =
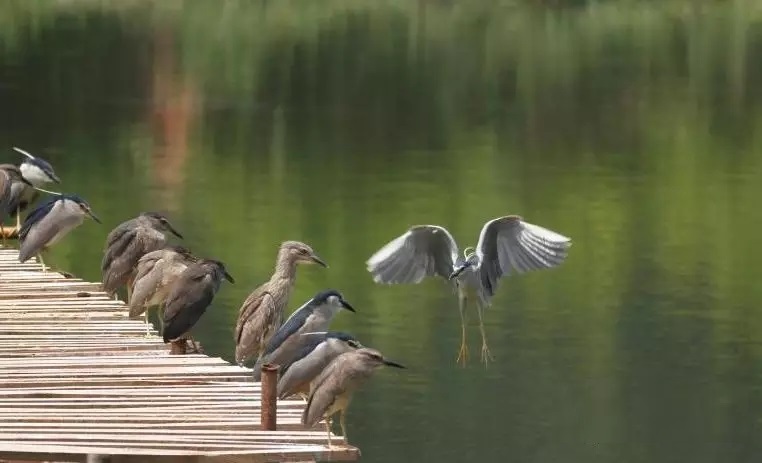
[(331, 392), (11, 181), (154, 275), (127, 243), (261, 314)]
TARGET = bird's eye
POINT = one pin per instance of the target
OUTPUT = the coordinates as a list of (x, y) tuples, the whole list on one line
[(303, 251), (353, 344)]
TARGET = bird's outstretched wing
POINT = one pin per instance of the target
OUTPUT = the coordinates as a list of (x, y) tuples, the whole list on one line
[(510, 245), (424, 250)]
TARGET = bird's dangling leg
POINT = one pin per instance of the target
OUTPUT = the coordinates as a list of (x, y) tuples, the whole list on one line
[(486, 355), (463, 352)]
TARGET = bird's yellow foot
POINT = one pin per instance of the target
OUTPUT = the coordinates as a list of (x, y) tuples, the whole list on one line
[(486, 355), (462, 355)]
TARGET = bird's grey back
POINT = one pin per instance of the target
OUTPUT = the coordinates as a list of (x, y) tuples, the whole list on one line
[(63, 216)]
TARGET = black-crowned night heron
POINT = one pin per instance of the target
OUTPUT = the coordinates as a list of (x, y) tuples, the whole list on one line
[(261, 314), (10, 175), (318, 350), (38, 172), (315, 315), (506, 245), (154, 275), (50, 222), (331, 392), (190, 295), (127, 243)]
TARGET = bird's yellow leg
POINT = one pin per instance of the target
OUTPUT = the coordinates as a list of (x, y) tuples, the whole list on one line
[(328, 429), (343, 423), (44, 267), (463, 352), (160, 310), (486, 355), (148, 325), (18, 218), (2, 230)]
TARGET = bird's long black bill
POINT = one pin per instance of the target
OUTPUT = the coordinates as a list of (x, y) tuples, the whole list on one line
[(318, 260), (54, 177), (394, 364), (229, 278), (94, 217), (458, 271), (174, 232), (348, 306)]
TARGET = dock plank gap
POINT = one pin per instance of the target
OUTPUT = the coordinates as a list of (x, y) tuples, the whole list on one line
[(82, 382)]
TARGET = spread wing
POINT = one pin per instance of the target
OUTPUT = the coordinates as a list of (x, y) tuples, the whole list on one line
[(510, 245), (424, 250), (190, 296)]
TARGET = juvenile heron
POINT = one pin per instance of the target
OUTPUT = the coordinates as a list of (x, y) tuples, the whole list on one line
[(261, 314), (506, 245), (331, 392), (50, 222), (190, 295), (154, 275), (315, 315), (10, 175), (318, 350), (38, 172), (127, 243)]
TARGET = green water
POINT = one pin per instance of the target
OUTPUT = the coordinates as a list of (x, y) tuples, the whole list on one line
[(632, 127)]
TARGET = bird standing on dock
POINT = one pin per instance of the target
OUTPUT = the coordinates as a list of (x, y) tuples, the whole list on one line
[(315, 315), (331, 392), (10, 178), (261, 314), (38, 172), (50, 222), (318, 350), (506, 245), (190, 295), (154, 275), (127, 243)]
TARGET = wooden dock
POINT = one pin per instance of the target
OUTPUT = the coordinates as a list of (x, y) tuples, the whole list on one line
[(80, 381)]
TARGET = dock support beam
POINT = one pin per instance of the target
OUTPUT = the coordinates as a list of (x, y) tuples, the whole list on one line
[(269, 407)]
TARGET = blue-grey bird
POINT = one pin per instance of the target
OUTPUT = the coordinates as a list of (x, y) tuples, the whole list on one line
[(315, 315), (261, 314), (127, 243), (38, 172), (10, 175), (155, 273), (318, 350), (331, 392), (190, 296), (50, 222), (506, 245)]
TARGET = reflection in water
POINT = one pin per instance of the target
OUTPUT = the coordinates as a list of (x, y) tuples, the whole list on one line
[(631, 128)]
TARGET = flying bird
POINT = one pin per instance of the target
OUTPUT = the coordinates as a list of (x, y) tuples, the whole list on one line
[(507, 245)]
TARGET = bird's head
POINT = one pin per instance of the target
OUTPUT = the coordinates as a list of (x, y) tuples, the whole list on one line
[(375, 359), (37, 170), (470, 262), (346, 341), (301, 253), (160, 222), (83, 206), (332, 299), (220, 267)]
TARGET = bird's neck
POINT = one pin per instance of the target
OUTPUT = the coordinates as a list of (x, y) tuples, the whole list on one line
[(285, 267)]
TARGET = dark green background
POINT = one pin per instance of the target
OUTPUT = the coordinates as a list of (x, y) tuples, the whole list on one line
[(632, 127)]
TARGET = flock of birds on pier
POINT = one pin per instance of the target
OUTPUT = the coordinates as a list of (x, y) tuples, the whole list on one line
[(325, 367)]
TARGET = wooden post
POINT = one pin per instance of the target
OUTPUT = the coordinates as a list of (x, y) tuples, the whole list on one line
[(269, 408)]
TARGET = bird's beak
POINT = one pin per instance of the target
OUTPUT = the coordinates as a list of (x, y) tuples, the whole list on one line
[(173, 231), (347, 306), (93, 216), (54, 177), (314, 258), (458, 271), (393, 364), (228, 277)]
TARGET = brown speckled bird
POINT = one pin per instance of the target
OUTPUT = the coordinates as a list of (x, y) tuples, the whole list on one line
[(127, 243), (332, 390), (261, 314)]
